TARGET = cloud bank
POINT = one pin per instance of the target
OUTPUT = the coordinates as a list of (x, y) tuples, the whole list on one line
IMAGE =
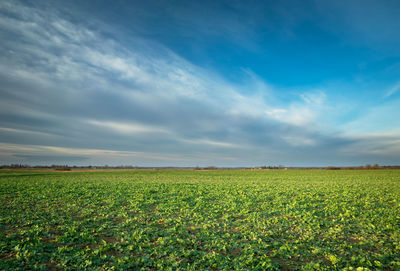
[(74, 94)]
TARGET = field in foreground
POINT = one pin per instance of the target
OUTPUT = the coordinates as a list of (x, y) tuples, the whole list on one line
[(195, 220)]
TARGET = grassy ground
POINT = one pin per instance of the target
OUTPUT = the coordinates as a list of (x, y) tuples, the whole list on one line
[(193, 220)]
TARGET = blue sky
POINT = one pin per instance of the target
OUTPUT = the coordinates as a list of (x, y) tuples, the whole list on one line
[(185, 83)]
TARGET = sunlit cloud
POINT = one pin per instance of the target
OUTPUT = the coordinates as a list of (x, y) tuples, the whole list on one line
[(127, 128)]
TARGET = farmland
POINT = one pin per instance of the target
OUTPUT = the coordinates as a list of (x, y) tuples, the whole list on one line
[(196, 220)]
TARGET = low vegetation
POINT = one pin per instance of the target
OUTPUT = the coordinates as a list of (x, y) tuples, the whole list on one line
[(196, 220)]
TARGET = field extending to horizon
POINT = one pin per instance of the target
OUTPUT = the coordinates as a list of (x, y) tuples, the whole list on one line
[(199, 220)]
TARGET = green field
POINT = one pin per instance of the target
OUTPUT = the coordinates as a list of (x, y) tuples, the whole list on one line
[(196, 220)]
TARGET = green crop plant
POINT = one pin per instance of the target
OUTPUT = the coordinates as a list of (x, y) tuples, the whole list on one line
[(200, 220)]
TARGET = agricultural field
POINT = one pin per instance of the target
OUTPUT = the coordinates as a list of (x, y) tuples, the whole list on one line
[(200, 220)]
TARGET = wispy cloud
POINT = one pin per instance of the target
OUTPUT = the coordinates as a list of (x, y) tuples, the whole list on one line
[(393, 90), (127, 128), (47, 155)]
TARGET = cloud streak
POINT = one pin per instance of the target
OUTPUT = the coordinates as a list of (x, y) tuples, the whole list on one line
[(393, 90)]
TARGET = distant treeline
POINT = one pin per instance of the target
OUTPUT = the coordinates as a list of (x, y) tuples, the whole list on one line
[(68, 168), (368, 166)]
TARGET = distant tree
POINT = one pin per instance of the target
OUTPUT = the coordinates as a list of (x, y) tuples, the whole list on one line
[(376, 166), (333, 168)]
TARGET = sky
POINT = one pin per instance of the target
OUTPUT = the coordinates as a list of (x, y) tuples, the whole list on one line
[(200, 83)]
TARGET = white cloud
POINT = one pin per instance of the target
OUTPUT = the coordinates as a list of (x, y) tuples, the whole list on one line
[(23, 153), (211, 143), (127, 128), (298, 140), (86, 60), (393, 90), (378, 144), (298, 115), (381, 118), (315, 98), (305, 113), (21, 131)]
